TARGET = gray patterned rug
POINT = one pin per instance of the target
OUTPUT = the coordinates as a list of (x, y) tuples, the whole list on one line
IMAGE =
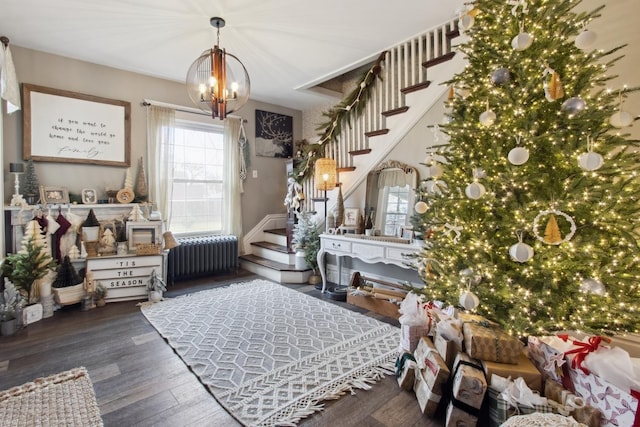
[(270, 354)]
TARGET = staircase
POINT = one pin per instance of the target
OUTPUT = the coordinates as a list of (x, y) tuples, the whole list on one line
[(412, 75)]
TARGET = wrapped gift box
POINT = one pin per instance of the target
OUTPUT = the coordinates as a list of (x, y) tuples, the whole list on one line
[(573, 405), (469, 383), (488, 342), (431, 376), (524, 369), (546, 358), (457, 417), (500, 410), (405, 371), (410, 335), (448, 349)]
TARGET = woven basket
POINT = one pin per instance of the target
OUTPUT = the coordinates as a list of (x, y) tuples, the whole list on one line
[(148, 249), (69, 294)]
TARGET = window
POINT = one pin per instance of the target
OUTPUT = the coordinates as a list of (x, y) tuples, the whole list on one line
[(196, 204), (396, 209)]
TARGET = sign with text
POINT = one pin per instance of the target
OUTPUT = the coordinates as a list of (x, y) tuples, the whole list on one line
[(69, 127)]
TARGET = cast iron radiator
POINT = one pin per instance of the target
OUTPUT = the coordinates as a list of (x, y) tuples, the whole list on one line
[(201, 256)]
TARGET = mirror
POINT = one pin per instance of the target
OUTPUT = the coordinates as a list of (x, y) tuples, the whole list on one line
[(390, 197)]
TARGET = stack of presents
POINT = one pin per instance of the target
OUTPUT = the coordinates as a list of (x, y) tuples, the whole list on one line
[(467, 371)]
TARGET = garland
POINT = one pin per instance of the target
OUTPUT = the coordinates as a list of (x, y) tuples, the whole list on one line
[(344, 112)]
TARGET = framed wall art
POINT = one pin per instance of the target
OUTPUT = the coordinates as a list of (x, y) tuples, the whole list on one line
[(143, 232), (69, 127), (53, 195), (274, 135)]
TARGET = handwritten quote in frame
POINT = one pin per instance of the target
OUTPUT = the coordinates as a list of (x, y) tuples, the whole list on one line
[(69, 127)]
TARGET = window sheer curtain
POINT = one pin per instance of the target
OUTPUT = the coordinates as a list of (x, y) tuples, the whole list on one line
[(160, 148), (233, 188)]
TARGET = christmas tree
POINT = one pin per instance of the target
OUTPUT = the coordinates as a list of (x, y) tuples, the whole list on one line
[(536, 210)]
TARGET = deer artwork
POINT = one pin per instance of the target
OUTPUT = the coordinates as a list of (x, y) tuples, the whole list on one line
[(274, 134)]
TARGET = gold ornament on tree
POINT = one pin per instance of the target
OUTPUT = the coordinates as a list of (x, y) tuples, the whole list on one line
[(552, 234), (553, 89)]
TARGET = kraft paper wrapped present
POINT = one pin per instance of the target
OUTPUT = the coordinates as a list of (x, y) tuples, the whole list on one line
[(486, 341), (410, 335), (469, 384), (448, 349), (457, 417), (572, 405), (405, 371), (448, 339), (417, 320), (524, 369), (431, 374)]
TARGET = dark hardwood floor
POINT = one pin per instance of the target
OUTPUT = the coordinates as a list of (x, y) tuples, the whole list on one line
[(140, 381)]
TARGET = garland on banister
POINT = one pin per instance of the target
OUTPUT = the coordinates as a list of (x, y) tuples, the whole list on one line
[(344, 112)]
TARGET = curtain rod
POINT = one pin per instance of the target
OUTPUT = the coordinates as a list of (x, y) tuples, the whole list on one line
[(192, 110)]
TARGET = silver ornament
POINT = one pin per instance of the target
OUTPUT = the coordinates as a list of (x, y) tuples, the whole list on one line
[(574, 105), (469, 300), (501, 76), (593, 286)]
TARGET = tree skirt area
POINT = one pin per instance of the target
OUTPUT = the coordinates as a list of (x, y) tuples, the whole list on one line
[(270, 354), (65, 399)]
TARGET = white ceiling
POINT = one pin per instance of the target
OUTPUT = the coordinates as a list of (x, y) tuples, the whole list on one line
[(285, 44)]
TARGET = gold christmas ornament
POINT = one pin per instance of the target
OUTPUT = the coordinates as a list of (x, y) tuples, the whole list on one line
[(552, 231), (553, 89)]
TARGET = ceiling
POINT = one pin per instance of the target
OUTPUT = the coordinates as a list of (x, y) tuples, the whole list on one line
[(286, 45)]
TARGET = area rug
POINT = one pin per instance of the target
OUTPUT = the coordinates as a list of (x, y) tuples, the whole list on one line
[(65, 399), (270, 354)]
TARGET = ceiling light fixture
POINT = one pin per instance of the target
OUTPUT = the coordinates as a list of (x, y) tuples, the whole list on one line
[(217, 82)]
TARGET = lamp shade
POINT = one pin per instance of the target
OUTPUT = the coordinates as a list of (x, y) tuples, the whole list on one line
[(170, 241), (16, 167), (217, 82), (325, 174)]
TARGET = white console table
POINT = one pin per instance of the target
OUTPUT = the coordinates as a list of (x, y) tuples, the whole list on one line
[(365, 248)]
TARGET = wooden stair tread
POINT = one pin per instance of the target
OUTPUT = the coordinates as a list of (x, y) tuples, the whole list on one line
[(376, 132), (360, 152), (270, 264), (415, 87), (272, 246), (346, 169), (439, 60), (395, 111), (278, 231), (453, 34)]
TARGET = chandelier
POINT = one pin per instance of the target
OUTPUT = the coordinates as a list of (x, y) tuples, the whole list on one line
[(217, 82)]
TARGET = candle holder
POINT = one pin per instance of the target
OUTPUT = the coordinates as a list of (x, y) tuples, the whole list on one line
[(17, 169)]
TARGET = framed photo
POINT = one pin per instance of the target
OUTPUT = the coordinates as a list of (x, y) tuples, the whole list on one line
[(143, 232), (69, 127), (89, 196), (406, 233), (53, 195), (274, 135), (351, 216)]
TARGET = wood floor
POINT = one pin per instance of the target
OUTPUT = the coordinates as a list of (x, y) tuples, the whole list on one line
[(140, 381)]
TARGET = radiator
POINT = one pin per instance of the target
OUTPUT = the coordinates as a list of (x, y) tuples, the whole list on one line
[(201, 256)]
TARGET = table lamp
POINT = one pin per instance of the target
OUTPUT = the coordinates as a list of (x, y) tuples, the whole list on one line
[(17, 169)]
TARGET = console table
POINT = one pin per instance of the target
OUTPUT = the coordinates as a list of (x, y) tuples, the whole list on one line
[(370, 249)]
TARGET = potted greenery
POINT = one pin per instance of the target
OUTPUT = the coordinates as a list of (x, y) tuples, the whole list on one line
[(27, 266), (306, 243), (156, 286), (9, 302), (99, 294)]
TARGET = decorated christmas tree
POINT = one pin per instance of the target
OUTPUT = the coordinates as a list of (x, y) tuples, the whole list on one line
[(532, 220)]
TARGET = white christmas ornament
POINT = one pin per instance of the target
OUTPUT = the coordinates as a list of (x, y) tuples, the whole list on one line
[(434, 171), (521, 252), (518, 156), (521, 41), (621, 119), (469, 300), (585, 39), (475, 190), (590, 161), (421, 207), (593, 286), (487, 118)]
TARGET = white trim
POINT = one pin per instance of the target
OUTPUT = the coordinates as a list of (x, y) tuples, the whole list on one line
[(255, 234)]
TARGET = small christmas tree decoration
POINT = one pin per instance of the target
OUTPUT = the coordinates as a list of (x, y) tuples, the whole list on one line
[(141, 190), (574, 105), (74, 252), (340, 208), (585, 39), (136, 214), (521, 252), (552, 234), (553, 89), (30, 185), (91, 227), (107, 242), (128, 180), (553, 240), (67, 275)]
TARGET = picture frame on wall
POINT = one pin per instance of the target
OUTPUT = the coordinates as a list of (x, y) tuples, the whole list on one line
[(274, 135), (351, 216), (54, 195), (143, 233), (89, 196)]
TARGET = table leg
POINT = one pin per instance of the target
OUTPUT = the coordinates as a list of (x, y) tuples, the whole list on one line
[(321, 267)]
